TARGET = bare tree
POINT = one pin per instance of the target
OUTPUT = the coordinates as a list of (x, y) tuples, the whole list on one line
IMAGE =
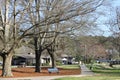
[(114, 25), (8, 35), (51, 17), (20, 19), (13, 29)]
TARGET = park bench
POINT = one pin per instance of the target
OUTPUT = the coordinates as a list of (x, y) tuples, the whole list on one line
[(52, 70)]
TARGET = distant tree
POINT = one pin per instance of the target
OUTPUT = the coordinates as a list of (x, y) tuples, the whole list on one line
[(114, 24), (92, 48)]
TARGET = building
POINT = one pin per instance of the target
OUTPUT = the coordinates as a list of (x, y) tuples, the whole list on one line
[(67, 59), (26, 55)]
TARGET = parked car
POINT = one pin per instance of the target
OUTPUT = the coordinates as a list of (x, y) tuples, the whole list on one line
[(1, 63)]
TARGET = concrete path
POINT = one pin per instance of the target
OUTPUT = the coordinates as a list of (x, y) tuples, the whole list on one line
[(85, 72)]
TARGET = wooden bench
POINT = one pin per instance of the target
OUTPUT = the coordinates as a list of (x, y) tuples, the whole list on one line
[(52, 70)]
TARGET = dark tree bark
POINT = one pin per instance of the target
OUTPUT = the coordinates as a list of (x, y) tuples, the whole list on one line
[(38, 61), (53, 60), (38, 52), (51, 53)]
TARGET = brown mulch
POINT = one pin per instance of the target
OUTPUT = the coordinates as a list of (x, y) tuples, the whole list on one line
[(29, 72)]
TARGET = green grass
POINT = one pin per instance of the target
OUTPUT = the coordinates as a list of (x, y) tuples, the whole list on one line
[(104, 69), (90, 78), (103, 72), (69, 66)]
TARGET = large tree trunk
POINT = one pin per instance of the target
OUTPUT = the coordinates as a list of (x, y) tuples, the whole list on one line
[(51, 53), (6, 69), (53, 60), (37, 55), (38, 61)]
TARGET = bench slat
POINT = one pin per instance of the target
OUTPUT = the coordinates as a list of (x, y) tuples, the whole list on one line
[(50, 70)]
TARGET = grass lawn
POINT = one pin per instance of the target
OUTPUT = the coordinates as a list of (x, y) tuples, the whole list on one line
[(90, 78), (69, 66), (104, 69), (103, 72)]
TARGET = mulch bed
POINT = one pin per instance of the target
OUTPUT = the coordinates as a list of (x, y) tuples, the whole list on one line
[(29, 72)]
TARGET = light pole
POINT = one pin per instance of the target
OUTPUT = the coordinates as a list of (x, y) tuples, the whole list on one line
[(85, 53)]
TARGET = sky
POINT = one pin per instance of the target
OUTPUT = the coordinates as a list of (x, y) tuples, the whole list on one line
[(116, 3), (102, 29), (106, 30)]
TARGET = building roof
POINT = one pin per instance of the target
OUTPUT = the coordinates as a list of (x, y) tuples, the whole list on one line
[(26, 55), (31, 55), (24, 49)]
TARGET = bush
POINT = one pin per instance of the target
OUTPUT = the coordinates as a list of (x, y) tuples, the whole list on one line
[(58, 63), (45, 64)]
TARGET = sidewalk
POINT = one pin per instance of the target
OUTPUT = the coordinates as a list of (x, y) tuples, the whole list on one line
[(85, 72)]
